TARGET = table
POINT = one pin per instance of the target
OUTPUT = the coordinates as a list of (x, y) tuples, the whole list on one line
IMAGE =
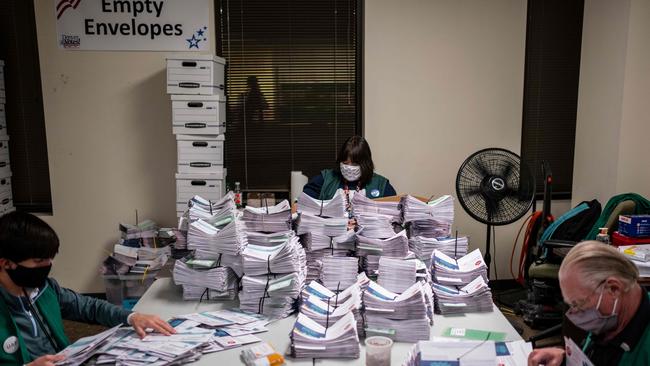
[(164, 299)]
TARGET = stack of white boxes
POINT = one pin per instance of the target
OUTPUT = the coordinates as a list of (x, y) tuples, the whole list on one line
[(197, 88), (6, 199)]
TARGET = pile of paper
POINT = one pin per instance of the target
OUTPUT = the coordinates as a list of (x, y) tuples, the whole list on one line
[(339, 272), (200, 208), (375, 226), (455, 352), (269, 239), (362, 205), (312, 340), (223, 236), (370, 265), (403, 317), (423, 247), (394, 246), (639, 255), (473, 297), (280, 258), (204, 278), (334, 207), (268, 218), (272, 296), (449, 271), (432, 219), (397, 274), (141, 234), (330, 227)]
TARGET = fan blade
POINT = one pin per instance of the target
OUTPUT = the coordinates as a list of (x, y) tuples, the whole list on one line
[(472, 192), (507, 170), (481, 168)]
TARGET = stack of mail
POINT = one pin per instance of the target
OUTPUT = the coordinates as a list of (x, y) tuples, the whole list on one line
[(268, 218), (200, 275), (431, 219), (315, 242), (370, 265), (331, 227), (449, 271), (423, 247), (272, 296), (181, 239), (280, 258), (84, 348), (141, 234), (473, 297), (209, 239), (312, 340), (397, 274), (269, 239), (315, 261), (339, 272), (200, 208), (394, 246), (334, 207), (375, 225), (362, 205), (440, 209), (403, 318)]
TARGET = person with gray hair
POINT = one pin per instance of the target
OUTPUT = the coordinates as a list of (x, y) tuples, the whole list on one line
[(599, 284)]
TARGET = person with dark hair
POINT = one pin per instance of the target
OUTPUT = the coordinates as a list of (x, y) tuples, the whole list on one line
[(354, 170), (33, 306)]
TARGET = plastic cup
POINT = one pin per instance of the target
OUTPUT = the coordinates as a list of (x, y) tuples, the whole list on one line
[(378, 351)]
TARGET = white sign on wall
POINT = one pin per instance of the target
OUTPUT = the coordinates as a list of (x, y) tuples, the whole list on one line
[(134, 25)]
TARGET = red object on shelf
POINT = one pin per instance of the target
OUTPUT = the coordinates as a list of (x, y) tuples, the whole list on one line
[(619, 239)]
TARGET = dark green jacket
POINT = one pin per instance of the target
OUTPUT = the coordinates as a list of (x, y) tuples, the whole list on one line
[(22, 340), (374, 189)]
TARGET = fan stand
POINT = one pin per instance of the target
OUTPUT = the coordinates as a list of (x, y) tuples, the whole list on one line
[(488, 257)]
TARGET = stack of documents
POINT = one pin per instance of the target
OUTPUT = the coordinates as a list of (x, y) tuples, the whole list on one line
[(199, 275), (639, 254), (449, 271), (200, 208), (271, 296), (334, 207), (141, 234), (210, 239), (312, 340), (180, 237), (269, 239), (339, 272), (397, 274), (423, 247), (84, 348), (328, 311), (362, 205), (376, 225), (440, 209), (315, 242), (428, 228), (474, 297), (370, 265), (268, 218), (404, 318), (315, 261), (394, 246), (280, 258), (331, 227)]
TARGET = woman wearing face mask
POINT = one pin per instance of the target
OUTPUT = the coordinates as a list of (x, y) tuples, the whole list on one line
[(605, 301), (354, 171), (32, 305)]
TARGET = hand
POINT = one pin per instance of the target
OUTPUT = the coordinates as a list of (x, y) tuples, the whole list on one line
[(47, 360), (549, 356), (140, 322)]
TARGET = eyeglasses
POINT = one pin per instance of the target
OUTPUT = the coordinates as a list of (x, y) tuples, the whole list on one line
[(577, 306)]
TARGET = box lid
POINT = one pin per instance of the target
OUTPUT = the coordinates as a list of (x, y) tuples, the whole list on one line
[(199, 176), (200, 57), (200, 137), (190, 97)]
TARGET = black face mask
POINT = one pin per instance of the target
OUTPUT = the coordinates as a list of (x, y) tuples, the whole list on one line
[(29, 277)]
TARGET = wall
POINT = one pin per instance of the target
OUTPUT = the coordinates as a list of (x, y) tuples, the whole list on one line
[(110, 145), (443, 79), (612, 122)]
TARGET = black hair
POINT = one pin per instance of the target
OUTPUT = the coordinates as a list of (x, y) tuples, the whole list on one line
[(356, 148), (24, 236)]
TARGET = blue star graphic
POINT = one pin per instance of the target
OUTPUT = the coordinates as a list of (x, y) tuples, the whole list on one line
[(194, 42), (200, 32)]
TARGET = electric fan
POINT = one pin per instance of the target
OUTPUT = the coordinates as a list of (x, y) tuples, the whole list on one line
[(495, 188)]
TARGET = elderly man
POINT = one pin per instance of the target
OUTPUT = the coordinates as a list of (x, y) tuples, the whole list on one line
[(600, 286)]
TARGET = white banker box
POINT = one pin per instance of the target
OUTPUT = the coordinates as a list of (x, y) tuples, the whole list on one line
[(200, 153), (196, 74), (208, 186), (6, 202), (198, 114)]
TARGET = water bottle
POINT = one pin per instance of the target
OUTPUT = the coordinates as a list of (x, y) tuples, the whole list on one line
[(603, 235)]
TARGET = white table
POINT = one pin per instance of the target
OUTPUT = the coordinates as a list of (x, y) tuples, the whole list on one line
[(164, 299)]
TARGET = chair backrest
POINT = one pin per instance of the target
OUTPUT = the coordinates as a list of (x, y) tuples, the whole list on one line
[(623, 208)]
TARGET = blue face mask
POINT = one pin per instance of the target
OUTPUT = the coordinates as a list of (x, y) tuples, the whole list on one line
[(591, 320)]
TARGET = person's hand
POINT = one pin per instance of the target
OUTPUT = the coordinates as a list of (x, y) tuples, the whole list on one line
[(549, 356), (47, 360), (140, 322)]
